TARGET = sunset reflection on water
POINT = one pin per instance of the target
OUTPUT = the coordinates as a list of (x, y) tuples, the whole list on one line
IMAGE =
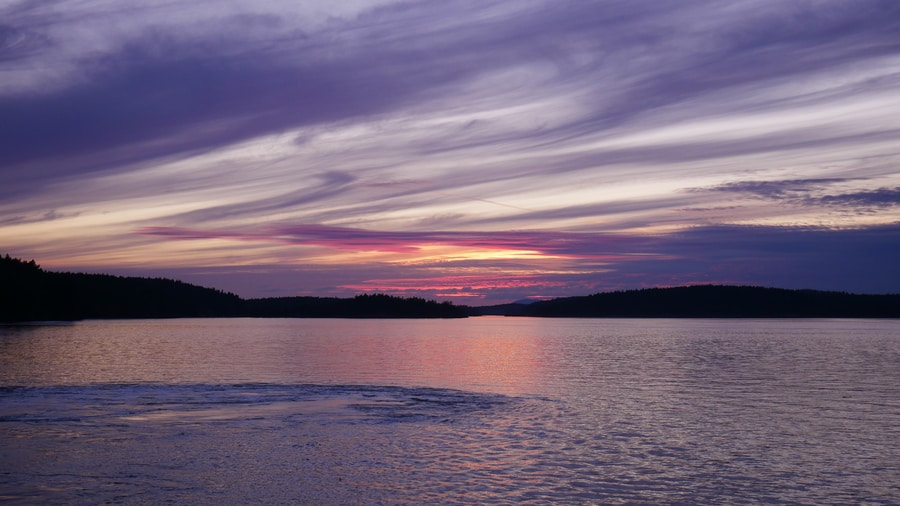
[(502, 356), (478, 411)]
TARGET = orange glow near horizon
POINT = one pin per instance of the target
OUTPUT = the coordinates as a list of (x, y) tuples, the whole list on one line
[(470, 286)]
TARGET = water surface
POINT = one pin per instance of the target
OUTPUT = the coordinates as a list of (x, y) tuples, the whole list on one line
[(481, 410)]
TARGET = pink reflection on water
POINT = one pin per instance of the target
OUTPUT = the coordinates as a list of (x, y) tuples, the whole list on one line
[(501, 357), (487, 354)]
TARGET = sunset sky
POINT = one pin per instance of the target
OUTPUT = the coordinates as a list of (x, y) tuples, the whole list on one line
[(474, 151)]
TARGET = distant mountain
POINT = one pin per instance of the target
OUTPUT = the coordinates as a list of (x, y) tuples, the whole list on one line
[(710, 301), (29, 293)]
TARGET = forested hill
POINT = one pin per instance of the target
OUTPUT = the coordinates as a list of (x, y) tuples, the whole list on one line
[(361, 306), (713, 301), (29, 293)]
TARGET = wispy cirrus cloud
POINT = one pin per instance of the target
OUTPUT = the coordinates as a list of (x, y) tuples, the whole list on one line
[(585, 131), (160, 89), (858, 260), (541, 243)]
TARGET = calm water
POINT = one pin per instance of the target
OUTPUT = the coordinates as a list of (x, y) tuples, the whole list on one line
[(476, 411)]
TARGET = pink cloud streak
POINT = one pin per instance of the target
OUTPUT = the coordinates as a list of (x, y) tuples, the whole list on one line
[(599, 247), (461, 283)]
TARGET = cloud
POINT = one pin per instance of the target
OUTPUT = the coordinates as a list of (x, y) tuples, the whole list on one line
[(880, 198), (617, 138), (777, 189), (543, 243), (858, 260), (160, 89), (814, 193), (163, 90)]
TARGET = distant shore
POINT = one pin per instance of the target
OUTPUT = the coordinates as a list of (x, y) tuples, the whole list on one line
[(709, 301), (29, 293)]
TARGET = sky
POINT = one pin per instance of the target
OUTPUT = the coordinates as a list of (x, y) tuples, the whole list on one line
[(474, 151)]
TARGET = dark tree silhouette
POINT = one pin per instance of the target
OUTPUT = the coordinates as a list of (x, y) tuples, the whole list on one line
[(715, 301), (28, 293), (361, 306)]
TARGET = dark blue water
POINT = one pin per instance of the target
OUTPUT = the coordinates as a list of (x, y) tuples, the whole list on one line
[(476, 411)]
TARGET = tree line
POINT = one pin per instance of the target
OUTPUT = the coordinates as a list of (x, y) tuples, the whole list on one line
[(29, 293), (710, 301)]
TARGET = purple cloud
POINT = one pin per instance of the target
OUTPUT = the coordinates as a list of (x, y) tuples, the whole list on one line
[(815, 192), (623, 139), (794, 257), (777, 189), (879, 198), (161, 90), (569, 244)]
